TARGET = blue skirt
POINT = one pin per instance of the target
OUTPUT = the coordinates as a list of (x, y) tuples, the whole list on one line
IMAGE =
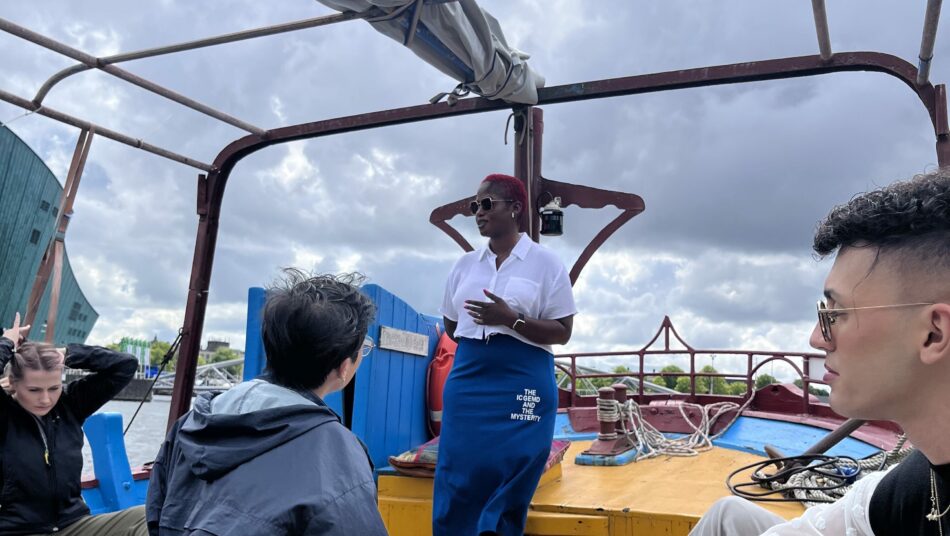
[(499, 407)]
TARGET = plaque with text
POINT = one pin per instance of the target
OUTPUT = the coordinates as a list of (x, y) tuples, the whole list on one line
[(403, 341)]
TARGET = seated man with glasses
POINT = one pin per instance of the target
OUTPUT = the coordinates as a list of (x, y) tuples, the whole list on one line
[(885, 329), (268, 456)]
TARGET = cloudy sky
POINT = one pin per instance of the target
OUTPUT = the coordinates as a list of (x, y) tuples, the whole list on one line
[(734, 178)]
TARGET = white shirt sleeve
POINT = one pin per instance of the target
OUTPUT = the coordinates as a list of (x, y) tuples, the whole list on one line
[(447, 309), (846, 517), (558, 301)]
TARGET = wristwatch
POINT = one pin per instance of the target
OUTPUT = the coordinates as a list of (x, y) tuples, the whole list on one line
[(518, 322)]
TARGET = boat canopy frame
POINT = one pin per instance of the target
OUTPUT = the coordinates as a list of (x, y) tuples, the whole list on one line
[(211, 186), (529, 125)]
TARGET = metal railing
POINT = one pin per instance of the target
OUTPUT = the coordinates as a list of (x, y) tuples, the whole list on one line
[(755, 359)]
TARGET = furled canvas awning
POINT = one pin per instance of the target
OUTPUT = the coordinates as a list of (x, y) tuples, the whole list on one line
[(460, 39)]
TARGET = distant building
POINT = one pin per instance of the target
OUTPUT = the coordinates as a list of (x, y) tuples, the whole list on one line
[(29, 205), (213, 346)]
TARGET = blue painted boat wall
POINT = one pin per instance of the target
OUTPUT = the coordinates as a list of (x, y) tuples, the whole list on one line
[(29, 205), (117, 489), (389, 412), (254, 359)]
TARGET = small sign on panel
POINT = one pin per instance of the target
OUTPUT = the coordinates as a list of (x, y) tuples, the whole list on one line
[(403, 341)]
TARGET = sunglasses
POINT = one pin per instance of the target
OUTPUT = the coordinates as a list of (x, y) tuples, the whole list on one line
[(827, 317), (486, 204)]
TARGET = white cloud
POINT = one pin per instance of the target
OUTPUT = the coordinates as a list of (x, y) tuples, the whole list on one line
[(734, 178), (92, 40), (277, 108)]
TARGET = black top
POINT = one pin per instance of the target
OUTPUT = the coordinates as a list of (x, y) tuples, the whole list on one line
[(37, 496), (902, 499)]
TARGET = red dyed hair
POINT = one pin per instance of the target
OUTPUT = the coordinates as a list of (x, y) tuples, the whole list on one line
[(514, 187)]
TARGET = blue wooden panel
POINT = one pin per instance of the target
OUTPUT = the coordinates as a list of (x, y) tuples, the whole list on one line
[(389, 393), (563, 429), (751, 434), (747, 434), (117, 489), (254, 359), (335, 402)]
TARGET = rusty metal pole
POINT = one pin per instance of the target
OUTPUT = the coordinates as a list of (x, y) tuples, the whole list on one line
[(534, 180), (58, 253), (821, 28), (52, 259), (209, 211), (574, 397), (941, 126), (927, 39), (529, 122)]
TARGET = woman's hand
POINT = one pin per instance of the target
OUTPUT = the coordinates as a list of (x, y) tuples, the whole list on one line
[(491, 313), (17, 333)]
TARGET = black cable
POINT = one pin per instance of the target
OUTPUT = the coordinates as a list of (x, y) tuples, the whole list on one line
[(168, 357), (812, 463)]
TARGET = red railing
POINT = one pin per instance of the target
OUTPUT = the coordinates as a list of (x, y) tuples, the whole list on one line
[(666, 328)]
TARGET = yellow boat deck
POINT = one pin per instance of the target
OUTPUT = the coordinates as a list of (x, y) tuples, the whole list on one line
[(661, 496)]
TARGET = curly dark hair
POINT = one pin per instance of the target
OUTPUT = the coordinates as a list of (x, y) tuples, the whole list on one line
[(912, 217), (311, 323)]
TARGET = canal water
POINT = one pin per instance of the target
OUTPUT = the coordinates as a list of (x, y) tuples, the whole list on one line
[(146, 434)]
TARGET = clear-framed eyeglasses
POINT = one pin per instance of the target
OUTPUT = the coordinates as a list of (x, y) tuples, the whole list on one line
[(367, 346), (827, 317)]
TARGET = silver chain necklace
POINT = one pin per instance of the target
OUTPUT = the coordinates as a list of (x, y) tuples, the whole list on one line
[(935, 514)]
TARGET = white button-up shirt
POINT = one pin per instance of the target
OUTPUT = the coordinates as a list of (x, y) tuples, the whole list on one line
[(532, 280)]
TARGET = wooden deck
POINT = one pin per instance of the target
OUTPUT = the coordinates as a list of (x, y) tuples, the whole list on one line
[(661, 496)]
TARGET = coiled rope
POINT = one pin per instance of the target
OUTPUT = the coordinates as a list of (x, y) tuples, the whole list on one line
[(651, 442), (812, 479)]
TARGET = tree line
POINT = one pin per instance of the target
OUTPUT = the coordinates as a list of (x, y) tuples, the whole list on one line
[(720, 386), (158, 349)]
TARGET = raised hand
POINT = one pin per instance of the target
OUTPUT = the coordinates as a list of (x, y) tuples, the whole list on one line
[(17, 333), (491, 313)]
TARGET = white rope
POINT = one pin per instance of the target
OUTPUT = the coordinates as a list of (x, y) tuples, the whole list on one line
[(811, 479), (21, 116), (608, 410), (651, 442)]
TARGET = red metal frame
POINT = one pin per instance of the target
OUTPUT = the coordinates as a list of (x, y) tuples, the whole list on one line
[(666, 329), (211, 187), (780, 402)]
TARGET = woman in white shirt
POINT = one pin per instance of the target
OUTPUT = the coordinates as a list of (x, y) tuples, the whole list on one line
[(505, 304)]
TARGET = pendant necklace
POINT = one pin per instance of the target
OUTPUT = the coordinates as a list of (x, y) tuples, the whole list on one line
[(935, 514)]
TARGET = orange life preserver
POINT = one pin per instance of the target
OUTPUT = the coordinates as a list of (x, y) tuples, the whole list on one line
[(438, 372)]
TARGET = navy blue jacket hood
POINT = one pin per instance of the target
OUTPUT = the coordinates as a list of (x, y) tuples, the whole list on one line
[(215, 443), (262, 459)]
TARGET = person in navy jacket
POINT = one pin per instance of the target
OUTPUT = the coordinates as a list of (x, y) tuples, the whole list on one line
[(268, 456)]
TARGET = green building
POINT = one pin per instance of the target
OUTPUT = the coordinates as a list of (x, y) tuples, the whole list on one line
[(29, 204)]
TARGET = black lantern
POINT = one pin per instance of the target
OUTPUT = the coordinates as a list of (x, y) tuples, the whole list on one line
[(552, 218)]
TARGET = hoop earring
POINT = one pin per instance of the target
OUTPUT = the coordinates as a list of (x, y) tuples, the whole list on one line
[(512, 214)]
